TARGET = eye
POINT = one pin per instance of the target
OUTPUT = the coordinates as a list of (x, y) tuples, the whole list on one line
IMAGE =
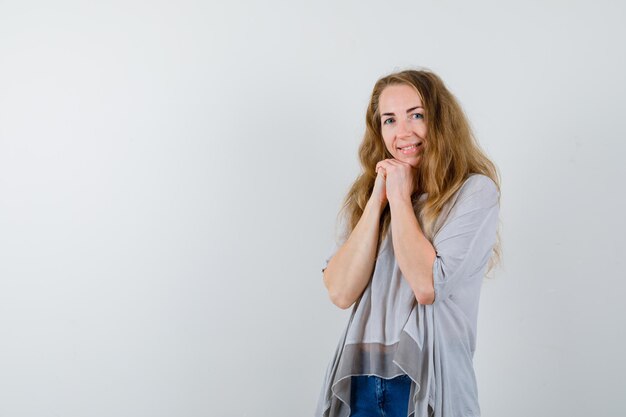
[(385, 121), (420, 115)]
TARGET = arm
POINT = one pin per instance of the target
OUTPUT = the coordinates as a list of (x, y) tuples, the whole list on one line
[(460, 249), (465, 241), (350, 269), (414, 253)]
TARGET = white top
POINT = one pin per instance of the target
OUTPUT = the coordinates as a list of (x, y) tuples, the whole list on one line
[(389, 333)]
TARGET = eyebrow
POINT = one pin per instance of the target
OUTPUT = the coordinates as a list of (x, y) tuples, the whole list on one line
[(408, 111)]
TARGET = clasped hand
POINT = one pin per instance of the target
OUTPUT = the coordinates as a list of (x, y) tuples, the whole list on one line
[(395, 182)]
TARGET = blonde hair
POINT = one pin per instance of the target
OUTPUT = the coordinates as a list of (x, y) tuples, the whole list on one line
[(451, 155)]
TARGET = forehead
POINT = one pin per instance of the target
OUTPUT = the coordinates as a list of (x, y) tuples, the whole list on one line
[(400, 97)]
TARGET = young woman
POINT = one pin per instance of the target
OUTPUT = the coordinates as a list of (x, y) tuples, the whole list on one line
[(420, 231)]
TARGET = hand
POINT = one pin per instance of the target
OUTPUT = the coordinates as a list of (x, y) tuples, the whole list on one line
[(379, 193), (400, 179)]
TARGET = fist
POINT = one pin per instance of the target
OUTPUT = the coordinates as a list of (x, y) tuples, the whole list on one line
[(400, 179)]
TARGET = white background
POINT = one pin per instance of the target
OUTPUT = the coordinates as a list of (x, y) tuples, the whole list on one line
[(170, 174)]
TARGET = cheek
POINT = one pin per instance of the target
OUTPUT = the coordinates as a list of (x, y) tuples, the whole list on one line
[(387, 139), (388, 145)]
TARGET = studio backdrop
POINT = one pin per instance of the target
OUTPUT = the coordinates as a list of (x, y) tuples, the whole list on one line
[(171, 172)]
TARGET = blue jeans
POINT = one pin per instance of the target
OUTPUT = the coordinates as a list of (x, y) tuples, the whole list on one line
[(372, 396)]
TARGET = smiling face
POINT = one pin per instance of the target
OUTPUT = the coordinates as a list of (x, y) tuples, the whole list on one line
[(402, 123)]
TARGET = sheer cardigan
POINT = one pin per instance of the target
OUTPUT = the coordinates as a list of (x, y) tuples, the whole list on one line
[(389, 333)]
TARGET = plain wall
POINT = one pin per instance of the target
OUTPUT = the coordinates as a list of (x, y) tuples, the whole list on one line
[(170, 173)]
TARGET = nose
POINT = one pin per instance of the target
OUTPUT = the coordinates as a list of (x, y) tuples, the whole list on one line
[(403, 130)]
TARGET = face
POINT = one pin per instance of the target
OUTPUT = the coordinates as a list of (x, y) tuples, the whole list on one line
[(402, 123)]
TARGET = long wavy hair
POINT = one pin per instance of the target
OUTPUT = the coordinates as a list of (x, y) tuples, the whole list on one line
[(451, 155)]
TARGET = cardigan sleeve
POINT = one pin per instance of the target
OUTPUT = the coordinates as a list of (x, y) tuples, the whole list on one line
[(464, 243), (331, 253), (339, 238)]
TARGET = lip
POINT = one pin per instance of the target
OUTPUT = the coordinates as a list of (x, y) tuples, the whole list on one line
[(412, 151), (410, 144)]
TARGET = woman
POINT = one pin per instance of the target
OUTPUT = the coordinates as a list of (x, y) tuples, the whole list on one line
[(420, 232)]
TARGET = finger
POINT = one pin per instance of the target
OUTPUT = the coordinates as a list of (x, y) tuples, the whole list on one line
[(384, 163), (396, 162), (389, 166), (402, 163)]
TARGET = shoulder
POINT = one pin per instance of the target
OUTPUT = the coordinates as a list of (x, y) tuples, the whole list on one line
[(478, 182), (479, 186)]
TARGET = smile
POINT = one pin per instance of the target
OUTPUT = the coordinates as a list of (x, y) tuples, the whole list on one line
[(411, 149)]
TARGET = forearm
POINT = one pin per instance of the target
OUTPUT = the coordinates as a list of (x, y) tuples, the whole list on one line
[(414, 253), (350, 269)]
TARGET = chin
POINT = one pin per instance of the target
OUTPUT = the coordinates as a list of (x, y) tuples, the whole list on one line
[(414, 162)]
